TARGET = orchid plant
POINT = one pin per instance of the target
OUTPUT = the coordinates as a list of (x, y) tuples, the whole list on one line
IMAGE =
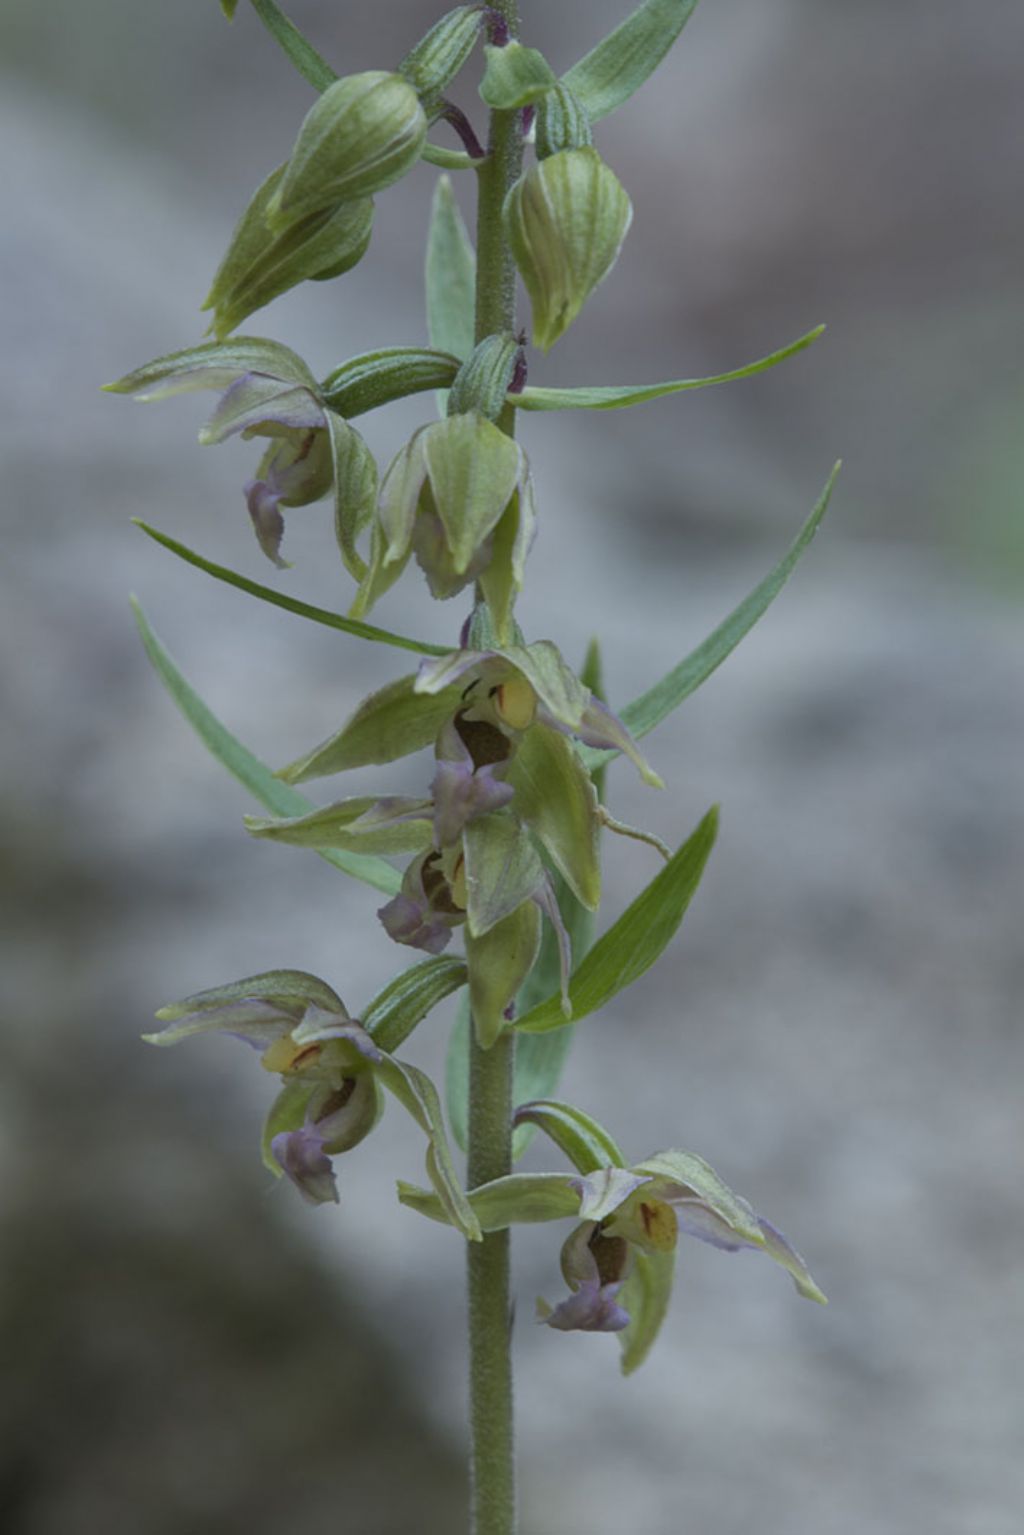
[(502, 835)]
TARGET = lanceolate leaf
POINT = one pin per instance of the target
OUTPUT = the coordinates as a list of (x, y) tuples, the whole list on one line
[(520, 1199), (291, 41), (291, 604), (632, 944), (617, 396), (249, 770), (647, 711), (619, 65), (450, 275), (404, 1002)]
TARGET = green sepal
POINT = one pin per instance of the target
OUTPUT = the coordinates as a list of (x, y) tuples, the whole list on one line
[(450, 275), (323, 616), (290, 990), (362, 134), (587, 1144), (213, 365), (310, 65), (414, 1089), (501, 580), (387, 725), (229, 7), (502, 870), (392, 373), (645, 1296), (540, 1058), (632, 944), (381, 574), (610, 73), (482, 381), (441, 53), (260, 265), (644, 713), (515, 77), (691, 1171), (556, 799), (499, 962), (562, 122), (248, 769), (365, 825), (287, 1112), (565, 221), (355, 490), (521, 1199), (473, 470), (619, 396), (404, 1002)]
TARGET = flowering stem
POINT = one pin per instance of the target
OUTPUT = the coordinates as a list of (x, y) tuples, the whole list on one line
[(492, 1473)]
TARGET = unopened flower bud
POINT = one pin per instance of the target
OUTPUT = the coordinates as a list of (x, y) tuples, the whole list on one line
[(565, 220), (261, 264), (363, 133), (438, 57), (562, 122)]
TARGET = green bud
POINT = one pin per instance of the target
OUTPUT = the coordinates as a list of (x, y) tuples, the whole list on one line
[(515, 77), (562, 123), (499, 963), (376, 378), (483, 380), (260, 265), (365, 132), (565, 220), (439, 56)]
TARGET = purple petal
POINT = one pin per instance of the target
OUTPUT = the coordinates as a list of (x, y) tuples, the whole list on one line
[(267, 521), (461, 794), (593, 1308), (255, 401), (407, 921), (300, 1154)]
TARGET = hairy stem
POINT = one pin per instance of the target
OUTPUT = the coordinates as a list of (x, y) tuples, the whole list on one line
[(493, 1497)]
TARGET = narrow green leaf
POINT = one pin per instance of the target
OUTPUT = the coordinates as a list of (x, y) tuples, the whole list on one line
[(647, 711), (456, 1074), (618, 396), (619, 65), (633, 943), (519, 1199), (515, 77), (290, 604), (249, 770), (587, 1144), (450, 275), (645, 1295), (303, 55), (404, 1002)]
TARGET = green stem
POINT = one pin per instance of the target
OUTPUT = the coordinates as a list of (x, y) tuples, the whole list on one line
[(492, 1449)]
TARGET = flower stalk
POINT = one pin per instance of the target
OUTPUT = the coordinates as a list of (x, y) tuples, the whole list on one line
[(489, 1150)]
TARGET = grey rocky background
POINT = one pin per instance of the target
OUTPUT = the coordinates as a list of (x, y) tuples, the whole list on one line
[(837, 1028)]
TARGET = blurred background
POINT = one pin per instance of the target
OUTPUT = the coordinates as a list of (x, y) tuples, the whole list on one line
[(837, 1026)]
